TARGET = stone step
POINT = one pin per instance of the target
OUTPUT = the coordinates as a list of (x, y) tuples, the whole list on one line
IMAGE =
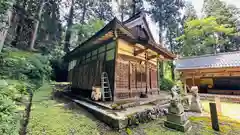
[(103, 106)]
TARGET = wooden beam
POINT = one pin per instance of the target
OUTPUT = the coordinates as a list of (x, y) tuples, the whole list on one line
[(136, 52), (160, 57), (151, 57)]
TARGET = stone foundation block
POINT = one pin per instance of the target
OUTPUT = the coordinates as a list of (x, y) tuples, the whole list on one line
[(180, 127), (180, 119)]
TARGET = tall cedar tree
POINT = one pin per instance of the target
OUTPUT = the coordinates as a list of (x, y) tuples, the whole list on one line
[(166, 13), (125, 11), (225, 15), (69, 25), (5, 16)]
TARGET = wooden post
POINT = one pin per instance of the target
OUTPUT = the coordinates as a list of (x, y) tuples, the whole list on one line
[(158, 78), (129, 78), (146, 71), (185, 85), (114, 93), (214, 116), (193, 81)]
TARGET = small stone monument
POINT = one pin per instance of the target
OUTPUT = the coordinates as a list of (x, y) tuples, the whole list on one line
[(195, 101), (176, 117)]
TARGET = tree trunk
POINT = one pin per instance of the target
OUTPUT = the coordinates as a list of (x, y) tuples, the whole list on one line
[(18, 31), (36, 26), (133, 7), (3, 35), (122, 14), (18, 23), (69, 25), (160, 33), (84, 12), (24, 5), (161, 67), (172, 71), (172, 51), (5, 26)]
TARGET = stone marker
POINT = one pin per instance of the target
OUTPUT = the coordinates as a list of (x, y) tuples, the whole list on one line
[(195, 101), (176, 117), (214, 116)]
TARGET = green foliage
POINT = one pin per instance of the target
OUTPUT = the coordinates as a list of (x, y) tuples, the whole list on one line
[(85, 31), (24, 66), (227, 15), (224, 13), (9, 119), (4, 6), (59, 67), (129, 131), (202, 34), (14, 90), (57, 53), (11, 92), (166, 84)]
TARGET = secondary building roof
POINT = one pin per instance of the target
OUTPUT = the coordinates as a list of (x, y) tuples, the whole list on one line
[(221, 60)]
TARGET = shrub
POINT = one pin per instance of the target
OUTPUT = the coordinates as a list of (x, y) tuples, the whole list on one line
[(14, 90), (9, 119), (25, 66), (166, 84)]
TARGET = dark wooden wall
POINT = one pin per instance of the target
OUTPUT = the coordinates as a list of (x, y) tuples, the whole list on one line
[(132, 79), (90, 65)]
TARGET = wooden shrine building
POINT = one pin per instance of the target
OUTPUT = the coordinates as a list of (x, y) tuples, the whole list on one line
[(126, 51), (218, 73)]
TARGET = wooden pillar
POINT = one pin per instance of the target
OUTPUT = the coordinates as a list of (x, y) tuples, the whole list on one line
[(114, 95), (193, 80), (158, 78), (129, 78), (185, 85), (136, 70), (146, 71)]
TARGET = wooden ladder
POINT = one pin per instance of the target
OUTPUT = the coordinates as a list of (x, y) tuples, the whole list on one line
[(106, 90)]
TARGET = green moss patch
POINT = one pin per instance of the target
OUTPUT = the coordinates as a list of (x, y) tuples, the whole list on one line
[(53, 118)]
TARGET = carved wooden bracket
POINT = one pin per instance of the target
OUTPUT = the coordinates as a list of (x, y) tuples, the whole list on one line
[(151, 57), (136, 52)]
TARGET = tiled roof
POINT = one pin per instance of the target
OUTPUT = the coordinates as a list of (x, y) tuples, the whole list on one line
[(210, 61)]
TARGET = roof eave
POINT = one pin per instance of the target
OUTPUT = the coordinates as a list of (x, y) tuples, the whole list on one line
[(110, 26)]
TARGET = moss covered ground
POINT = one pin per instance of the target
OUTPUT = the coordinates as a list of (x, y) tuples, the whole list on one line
[(51, 117), (54, 117)]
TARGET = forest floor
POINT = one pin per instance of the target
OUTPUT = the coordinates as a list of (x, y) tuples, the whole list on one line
[(58, 117)]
